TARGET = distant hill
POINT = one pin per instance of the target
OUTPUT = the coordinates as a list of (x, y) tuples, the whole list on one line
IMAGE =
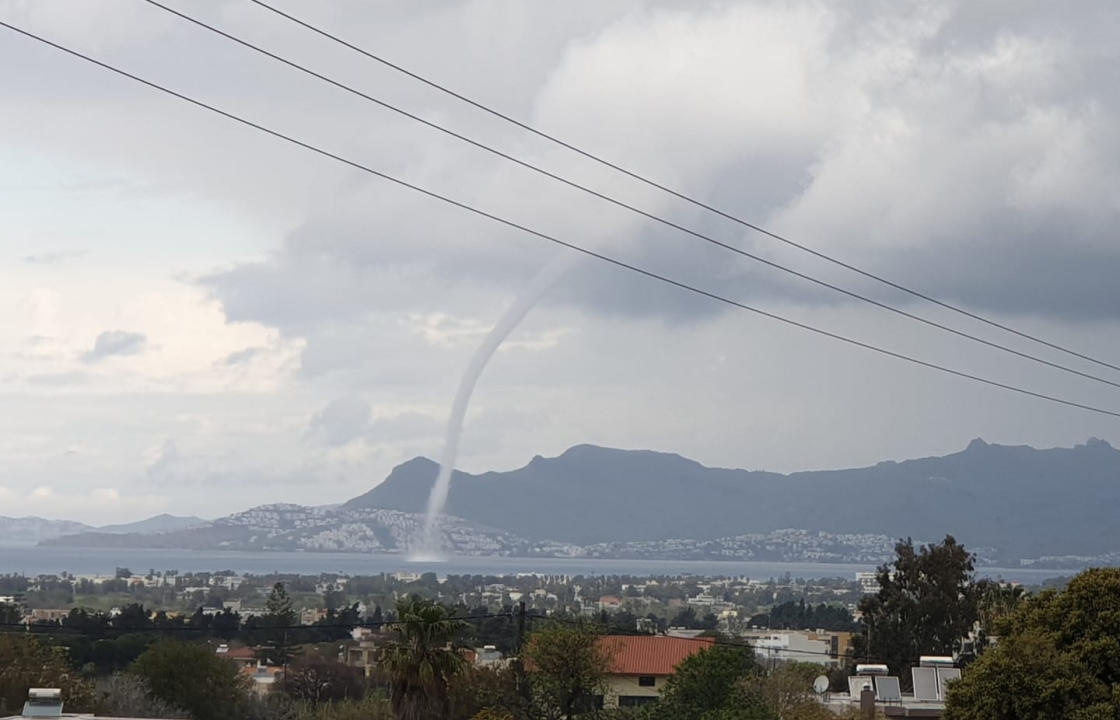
[(1021, 501), (31, 530), (1007, 502), (295, 527), (158, 524)]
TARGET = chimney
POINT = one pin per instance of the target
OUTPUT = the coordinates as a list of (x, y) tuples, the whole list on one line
[(43, 702)]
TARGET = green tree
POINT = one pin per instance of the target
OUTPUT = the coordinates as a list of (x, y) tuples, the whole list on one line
[(712, 684), (10, 614), (569, 666), (492, 714), (787, 692), (26, 662), (279, 606), (191, 676), (277, 633), (372, 707), (224, 624), (994, 602), (480, 690), (801, 616), (926, 605), (421, 659), (317, 679), (132, 618), (686, 618), (1058, 656), (128, 695)]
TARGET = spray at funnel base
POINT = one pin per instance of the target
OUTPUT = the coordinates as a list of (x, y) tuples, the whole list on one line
[(509, 320)]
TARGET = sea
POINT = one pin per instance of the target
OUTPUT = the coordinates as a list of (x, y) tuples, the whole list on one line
[(41, 560)]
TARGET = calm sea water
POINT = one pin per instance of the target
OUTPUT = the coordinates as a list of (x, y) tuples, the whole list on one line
[(34, 560)]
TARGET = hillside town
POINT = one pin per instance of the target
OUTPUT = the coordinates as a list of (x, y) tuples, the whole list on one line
[(288, 527)]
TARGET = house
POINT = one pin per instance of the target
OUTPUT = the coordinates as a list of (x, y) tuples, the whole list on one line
[(868, 582), (229, 582), (640, 665), (610, 603), (703, 599), (486, 656), (310, 616), (243, 657), (365, 652), (930, 682), (681, 632), (48, 614), (821, 647), (263, 677)]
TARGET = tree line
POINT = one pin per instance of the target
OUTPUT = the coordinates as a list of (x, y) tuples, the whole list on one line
[(1054, 654)]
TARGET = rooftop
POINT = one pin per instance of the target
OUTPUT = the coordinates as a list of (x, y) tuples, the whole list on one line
[(650, 654)]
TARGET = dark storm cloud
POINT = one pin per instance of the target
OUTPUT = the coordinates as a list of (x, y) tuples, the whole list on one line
[(970, 74)]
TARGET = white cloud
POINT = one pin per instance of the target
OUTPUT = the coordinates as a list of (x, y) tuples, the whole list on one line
[(102, 505)]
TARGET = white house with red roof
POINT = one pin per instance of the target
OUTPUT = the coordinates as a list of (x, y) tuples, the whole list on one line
[(641, 664)]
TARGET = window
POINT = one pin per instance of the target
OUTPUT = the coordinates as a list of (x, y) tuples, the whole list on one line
[(646, 681), (635, 700), (587, 703)]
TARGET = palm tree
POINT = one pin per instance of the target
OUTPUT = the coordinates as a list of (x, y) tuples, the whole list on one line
[(421, 659)]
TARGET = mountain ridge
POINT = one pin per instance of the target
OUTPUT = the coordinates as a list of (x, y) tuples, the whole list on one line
[(164, 522), (1012, 502), (1021, 500)]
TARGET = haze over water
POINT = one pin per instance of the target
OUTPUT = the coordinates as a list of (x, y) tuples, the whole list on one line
[(35, 560)]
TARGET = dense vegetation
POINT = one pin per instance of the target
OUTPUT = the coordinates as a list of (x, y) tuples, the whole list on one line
[(1054, 654), (1058, 656)]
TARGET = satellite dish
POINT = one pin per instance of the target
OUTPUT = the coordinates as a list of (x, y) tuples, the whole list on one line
[(821, 684)]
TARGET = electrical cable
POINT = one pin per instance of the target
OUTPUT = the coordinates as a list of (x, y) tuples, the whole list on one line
[(563, 243), (634, 209), (679, 194)]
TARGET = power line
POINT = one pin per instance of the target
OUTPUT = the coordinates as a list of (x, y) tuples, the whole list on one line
[(614, 201), (114, 633), (679, 194), (47, 628), (563, 243), (743, 643)]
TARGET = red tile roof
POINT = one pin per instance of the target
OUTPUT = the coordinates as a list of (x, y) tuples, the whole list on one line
[(241, 653), (650, 654)]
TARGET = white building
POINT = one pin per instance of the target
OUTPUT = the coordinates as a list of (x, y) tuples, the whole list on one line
[(808, 646), (868, 582)]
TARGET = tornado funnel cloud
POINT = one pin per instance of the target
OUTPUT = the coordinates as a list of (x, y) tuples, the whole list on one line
[(540, 283)]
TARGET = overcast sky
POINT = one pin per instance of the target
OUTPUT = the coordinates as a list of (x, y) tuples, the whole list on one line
[(196, 318)]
